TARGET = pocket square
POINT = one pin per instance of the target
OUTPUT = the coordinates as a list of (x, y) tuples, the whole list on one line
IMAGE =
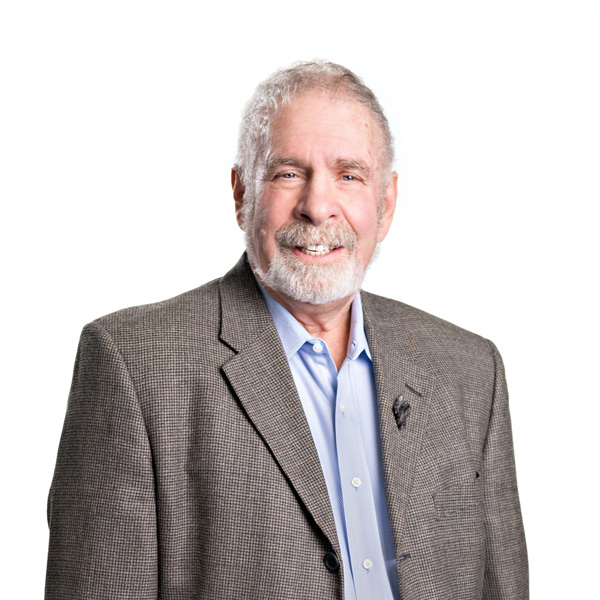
[(401, 410)]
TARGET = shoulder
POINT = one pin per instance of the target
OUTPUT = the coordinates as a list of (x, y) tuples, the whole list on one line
[(426, 337), (183, 316)]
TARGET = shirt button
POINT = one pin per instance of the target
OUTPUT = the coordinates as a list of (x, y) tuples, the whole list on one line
[(318, 348), (367, 564), (343, 407), (356, 482)]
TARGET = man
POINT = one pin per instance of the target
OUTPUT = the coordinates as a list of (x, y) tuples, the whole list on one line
[(275, 434)]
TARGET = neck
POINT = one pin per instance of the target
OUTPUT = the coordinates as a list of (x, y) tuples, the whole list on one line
[(329, 322)]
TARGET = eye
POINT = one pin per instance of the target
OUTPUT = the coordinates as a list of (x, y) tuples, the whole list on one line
[(285, 175)]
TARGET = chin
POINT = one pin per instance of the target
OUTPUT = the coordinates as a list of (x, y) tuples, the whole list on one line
[(310, 283)]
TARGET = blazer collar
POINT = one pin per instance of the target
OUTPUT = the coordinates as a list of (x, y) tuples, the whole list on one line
[(244, 314), (395, 344), (261, 378)]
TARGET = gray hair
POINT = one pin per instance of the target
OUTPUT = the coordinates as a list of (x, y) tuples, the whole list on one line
[(277, 91)]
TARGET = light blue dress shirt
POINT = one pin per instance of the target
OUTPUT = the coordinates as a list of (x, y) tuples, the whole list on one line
[(341, 409)]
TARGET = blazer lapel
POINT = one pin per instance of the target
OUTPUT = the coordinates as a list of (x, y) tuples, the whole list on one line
[(397, 373), (261, 378)]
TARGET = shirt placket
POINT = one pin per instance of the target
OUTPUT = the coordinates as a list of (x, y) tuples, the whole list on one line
[(368, 564)]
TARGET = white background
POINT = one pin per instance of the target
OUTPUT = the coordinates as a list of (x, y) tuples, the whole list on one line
[(117, 131)]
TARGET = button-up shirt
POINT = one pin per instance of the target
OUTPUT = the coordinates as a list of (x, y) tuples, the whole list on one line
[(341, 409)]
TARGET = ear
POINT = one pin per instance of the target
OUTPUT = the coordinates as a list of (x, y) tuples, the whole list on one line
[(238, 195), (389, 205)]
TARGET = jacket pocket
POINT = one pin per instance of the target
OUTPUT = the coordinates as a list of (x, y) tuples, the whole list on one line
[(458, 500), (460, 538)]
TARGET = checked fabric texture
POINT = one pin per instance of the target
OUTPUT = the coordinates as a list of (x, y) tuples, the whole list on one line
[(186, 468)]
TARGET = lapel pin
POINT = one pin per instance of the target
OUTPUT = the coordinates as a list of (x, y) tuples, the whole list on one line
[(401, 410)]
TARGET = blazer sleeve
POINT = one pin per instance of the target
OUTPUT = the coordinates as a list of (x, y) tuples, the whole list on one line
[(101, 507), (506, 571)]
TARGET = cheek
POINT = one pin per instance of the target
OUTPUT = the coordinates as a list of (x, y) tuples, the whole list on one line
[(263, 234), (366, 225), (368, 236), (270, 217)]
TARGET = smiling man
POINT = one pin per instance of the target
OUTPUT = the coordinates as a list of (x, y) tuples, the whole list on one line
[(277, 433)]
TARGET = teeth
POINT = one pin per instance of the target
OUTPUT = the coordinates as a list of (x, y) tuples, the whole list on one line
[(318, 250)]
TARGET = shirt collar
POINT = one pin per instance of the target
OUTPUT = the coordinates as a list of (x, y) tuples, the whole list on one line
[(293, 335)]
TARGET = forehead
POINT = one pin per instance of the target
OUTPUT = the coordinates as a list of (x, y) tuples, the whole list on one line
[(318, 121)]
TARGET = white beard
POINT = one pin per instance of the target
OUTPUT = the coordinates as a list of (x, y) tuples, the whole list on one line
[(312, 284)]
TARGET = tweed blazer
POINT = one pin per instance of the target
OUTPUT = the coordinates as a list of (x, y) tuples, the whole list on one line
[(187, 469)]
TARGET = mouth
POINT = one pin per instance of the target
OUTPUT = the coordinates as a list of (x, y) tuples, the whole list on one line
[(316, 245), (317, 250)]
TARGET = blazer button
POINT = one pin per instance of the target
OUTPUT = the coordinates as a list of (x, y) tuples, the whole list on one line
[(332, 564)]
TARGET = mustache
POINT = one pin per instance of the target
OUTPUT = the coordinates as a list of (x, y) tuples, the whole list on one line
[(305, 234)]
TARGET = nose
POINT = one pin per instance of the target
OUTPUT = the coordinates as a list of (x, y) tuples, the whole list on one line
[(318, 203)]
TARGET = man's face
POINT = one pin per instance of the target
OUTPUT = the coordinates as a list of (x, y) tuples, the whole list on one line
[(324, 202)]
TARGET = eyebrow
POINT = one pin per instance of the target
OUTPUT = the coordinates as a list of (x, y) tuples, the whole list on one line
[(273, 163), (340, 163), (353, 165)]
